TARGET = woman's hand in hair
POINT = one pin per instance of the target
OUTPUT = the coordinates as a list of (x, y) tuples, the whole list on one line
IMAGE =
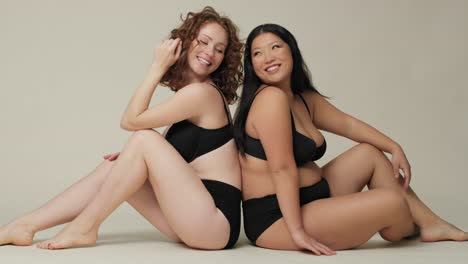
[(167, 53), (304, 241)]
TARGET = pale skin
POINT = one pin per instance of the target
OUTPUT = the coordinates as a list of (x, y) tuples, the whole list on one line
[(149, 173), (350, 217)]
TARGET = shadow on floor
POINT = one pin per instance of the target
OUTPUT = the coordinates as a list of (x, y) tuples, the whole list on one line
[(380, 244)]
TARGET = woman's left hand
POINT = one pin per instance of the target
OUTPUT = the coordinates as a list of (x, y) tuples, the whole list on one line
[(399, 161), (111, 157), (167, 53)]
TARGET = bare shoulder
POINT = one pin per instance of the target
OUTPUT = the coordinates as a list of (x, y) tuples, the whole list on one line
[(312, 97), (198, 91), (270, 98)]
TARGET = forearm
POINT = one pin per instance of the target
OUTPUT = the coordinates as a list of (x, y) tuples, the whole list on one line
[(287, 191), (142, 96), (361, 132)]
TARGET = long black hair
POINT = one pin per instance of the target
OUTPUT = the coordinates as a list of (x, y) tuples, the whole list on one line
[(300, 77)]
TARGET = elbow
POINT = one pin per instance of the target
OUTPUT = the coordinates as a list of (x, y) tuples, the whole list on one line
[(126, 125)]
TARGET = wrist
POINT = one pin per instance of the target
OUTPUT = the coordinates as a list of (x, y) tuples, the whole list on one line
[(157, 70), (296, 231), (395, 147)]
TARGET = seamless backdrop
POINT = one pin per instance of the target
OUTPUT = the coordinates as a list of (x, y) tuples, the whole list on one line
[(68, 69)]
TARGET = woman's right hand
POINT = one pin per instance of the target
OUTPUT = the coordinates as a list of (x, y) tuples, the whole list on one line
[(304, 241), (167, 53), (111, 157)]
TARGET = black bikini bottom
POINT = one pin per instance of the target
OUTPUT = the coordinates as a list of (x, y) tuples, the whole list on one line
[(227, 199), (261, 213)]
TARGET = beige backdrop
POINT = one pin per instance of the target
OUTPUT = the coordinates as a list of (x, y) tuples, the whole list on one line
[(68, 68)]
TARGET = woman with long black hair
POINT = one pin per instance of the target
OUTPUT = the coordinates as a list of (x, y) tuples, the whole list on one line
[(291, 203)]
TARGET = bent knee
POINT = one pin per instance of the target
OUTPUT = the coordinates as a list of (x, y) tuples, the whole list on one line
[(141, 137), (145, 133), (391, 235), (369, 151), (394, 200)]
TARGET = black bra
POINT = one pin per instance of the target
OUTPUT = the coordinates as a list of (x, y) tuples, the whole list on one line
[(192, 141), (304, 148)]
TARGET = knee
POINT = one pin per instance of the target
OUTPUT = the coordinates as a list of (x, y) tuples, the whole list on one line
[(371, 153), (395, 202), (397, 213), (369, 150), (142, 137), (391, 236)]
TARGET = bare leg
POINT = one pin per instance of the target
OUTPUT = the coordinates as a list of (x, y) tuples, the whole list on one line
[(184, 200), (347, 221), (366, 165), (68, 204)]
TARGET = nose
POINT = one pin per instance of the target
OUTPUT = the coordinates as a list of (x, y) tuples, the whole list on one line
[(268, 57), (209, 50)]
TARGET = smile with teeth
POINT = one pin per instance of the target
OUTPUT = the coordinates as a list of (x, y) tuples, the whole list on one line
[(204, 61), (272, 68)]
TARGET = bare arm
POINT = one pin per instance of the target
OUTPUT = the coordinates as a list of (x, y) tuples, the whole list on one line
[(188, 102), (137, 115), (273, 126), (272, 122), (328, 118)]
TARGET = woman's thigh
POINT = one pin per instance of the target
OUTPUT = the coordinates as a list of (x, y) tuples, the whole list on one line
[(344, 222), (351, 171), (144, 202), (184, 200)]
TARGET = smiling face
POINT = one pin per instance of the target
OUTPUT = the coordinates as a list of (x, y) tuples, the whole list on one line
[(272, 59), (206, 51)]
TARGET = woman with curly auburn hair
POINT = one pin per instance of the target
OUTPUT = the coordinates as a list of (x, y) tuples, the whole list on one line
[(185, 182)]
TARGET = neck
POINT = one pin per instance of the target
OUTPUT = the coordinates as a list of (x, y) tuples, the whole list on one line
[(193, 78)]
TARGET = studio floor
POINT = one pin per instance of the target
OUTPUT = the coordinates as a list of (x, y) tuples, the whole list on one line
[(139, 243)]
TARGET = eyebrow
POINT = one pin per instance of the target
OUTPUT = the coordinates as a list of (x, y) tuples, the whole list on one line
[(212, 39), (271, 42)]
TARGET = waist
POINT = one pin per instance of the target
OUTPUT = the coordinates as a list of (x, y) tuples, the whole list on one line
[(257, 180), (306, 194)]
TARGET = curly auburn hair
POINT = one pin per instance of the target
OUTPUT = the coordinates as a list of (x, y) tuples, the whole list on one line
[(228, 76)]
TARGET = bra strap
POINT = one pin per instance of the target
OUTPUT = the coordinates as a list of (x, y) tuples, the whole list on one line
[(305, 103), (292, 122), (226, 109)]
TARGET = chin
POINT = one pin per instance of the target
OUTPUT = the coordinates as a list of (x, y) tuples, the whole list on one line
[(273, 81), (199, 73)]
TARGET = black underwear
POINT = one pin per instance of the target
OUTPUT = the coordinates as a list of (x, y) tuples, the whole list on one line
[(227, 199), (261, 213)]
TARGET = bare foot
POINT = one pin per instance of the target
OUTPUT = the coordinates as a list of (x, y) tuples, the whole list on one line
[(16, 234), (441, 230), (68, 238)]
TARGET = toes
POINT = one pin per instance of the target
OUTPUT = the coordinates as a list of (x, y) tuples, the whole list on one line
[(44, 245), (463, 236), (51, 245), (40, 245)]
